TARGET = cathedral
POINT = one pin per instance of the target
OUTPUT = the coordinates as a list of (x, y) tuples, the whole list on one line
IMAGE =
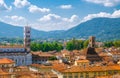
[(20, 54)]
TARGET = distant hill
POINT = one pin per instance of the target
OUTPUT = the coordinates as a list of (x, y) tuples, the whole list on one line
[(10, 31), (7, 30), (102, 28)]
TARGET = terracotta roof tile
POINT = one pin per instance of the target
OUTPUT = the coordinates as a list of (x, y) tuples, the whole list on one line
[(42, 54), (86, 69), (82, 61), (2, 72), (6, 61)]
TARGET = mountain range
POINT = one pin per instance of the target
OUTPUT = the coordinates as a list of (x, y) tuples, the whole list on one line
[(102, 28)]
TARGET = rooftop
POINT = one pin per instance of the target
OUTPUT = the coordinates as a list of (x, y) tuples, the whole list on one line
[(82, 61), (86, 69), (41, 66), (2, 72), (42, 54), (6, 61)]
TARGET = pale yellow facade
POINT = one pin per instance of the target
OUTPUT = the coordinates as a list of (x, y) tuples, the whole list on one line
[(89, 74)]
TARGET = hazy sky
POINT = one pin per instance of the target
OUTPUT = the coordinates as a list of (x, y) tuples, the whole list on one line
[(51, 15)]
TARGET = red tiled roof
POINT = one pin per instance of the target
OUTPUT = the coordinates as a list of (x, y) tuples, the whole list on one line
[(85, 69), (42, 54), (6, 61), (82, 61), (2, 72)]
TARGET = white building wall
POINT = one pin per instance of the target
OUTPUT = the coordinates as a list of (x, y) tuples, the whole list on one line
[(29, 59), (12, 49), (24, 59)]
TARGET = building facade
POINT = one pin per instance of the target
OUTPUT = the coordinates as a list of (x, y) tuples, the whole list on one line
[(86, 72), (20, 54), (40, 57)]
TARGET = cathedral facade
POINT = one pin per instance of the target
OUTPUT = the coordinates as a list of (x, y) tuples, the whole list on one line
[(19, 53)]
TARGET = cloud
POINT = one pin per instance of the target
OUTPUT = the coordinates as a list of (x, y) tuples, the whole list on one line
[(21, 3), (53, 17), (66, 6), (50, 22), (115, 14), (3, 6), (35, 9), (50, 17), (56, 22), (15, 20), (107, 3)]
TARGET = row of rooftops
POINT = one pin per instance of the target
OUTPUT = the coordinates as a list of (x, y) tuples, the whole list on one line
[(63, 68), (60, 67), (75, 69)]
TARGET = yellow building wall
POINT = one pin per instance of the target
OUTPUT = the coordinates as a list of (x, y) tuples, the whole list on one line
[(89, 74)]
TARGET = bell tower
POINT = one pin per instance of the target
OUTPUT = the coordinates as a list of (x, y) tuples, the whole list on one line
[(92, 42), (27, 38)]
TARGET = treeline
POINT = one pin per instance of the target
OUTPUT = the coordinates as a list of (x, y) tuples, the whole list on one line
[(76, 44), (51, 46), (115, 43), (46, 46), (11, 40)]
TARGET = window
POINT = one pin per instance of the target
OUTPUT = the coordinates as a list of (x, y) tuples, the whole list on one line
[(70, 76), (95, 74), (87, 75), (81, 75), (76, 76), (22, 61), (99, 73), (16, 60), (115, 72), (109, 72), (8, 50), (64, 76)]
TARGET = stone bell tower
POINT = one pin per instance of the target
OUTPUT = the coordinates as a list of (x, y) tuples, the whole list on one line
[(91, 54), (27, 31), (92, 41)]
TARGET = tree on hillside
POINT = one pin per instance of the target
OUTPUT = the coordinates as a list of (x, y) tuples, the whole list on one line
[(85, 44), (74, 44), (116, 43)]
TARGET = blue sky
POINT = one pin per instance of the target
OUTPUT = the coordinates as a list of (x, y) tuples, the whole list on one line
[(49, 15)]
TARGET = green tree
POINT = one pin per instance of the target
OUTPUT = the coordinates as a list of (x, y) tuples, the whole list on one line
[(116, 43), (85, 44), (34, 47), (108, 44), (46, 46), (75, 44)]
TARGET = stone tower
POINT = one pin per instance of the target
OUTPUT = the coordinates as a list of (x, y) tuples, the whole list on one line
[(91, 54), (92, 41), (27, 38)]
